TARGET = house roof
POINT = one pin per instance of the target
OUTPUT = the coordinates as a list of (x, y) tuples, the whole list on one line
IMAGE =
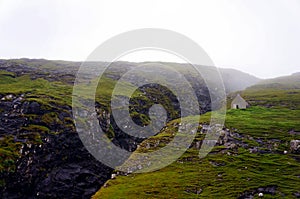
[(238, 100)]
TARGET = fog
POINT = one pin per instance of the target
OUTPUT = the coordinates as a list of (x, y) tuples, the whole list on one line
[(254, 36)]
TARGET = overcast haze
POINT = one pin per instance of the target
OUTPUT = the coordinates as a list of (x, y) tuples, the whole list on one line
[(254, 36)]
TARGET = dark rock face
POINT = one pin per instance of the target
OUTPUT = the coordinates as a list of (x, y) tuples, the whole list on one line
[(33, 108), (10, 116), (65, 170), (58, 166)]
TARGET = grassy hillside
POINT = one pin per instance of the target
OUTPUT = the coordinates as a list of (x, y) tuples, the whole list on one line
[(284, 82), (252, 161), (248, 159), (38, 89), (281, 92)]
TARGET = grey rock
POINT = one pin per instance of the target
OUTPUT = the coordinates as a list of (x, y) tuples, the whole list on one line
[(295, 146)]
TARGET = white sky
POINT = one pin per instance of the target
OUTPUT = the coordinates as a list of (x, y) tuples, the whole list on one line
[(261, 37)]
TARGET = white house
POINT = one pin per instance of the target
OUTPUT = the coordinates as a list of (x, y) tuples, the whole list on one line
[(239, 103)]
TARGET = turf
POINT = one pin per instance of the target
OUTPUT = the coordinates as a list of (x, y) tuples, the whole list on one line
[(225, 175)]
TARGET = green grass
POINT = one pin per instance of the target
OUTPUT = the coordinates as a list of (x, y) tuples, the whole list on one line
[(9, 153), (51, 118), (275, 98), (182, 179), (264, 122), (40, 90), (48, 93), (35, 128), (241, 171)]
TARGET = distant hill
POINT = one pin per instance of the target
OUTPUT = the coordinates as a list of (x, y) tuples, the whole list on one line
[(277, 92), (284, 82), (235, 80)]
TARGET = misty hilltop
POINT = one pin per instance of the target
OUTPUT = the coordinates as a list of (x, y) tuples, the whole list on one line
[(234, 80), (287, 82)]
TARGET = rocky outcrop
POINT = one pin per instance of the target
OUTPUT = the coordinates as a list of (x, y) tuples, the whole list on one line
[(52, 161), (49, 160)]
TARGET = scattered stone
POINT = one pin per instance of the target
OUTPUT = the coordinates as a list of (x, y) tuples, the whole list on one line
[(260, 192), (199, 191), (7, 97), (113, 176), (194, 190), (231, 146), (295, 146), (297, 194), (293, 132), (217, 163)]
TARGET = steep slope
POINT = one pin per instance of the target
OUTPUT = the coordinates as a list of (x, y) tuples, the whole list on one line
[(41, 153), (258, 153)]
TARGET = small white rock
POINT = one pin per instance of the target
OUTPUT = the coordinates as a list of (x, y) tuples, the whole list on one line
[(113, 176)]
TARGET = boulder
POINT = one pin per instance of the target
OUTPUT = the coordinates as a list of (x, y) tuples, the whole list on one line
[(31, 108), (34, 108)]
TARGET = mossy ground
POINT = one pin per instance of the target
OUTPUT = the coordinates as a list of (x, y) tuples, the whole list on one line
[(9, 152), (40, 90), (183, 179), (225, 175)]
